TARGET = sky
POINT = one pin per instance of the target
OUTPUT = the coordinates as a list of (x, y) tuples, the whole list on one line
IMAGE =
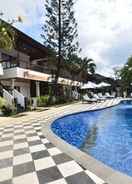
[(104, 27)]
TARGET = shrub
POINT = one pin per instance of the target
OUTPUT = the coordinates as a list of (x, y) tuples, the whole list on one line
[(43, 100), (2, 102), (61, 100), (8, 110)]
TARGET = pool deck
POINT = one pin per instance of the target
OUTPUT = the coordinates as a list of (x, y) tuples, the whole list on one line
[(31, 152)]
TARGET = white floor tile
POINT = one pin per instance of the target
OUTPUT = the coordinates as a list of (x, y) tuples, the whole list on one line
[(28, 127), (30, 178), (18, 131), (6, 143), (9, 129), (20, 145), (40, 133), (18, 126), (45, 141), (36, 148), (44, 163), (6, 154), (22, 136), (37, 128), (69, 168), (7, 135), (22, 159), (33, 138), (6, 174), (30, 132), (54, 151)]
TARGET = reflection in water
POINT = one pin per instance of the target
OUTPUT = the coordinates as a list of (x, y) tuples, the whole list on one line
[(91, 138), (106, 135)]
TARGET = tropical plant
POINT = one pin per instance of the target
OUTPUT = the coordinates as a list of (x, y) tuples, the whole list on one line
[(42, 100), (125, 76), (80, 67), (2, 102), (7, 33), (126, 72), (6, 36)]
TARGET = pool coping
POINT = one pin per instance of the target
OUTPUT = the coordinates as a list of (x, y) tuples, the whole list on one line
[(101, 170)]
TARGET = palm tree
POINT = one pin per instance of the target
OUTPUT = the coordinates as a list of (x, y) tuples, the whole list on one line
[(80, 67), (87, 66), (6, 36)]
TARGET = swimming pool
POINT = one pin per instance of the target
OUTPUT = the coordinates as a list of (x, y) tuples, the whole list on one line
[(105, 134)]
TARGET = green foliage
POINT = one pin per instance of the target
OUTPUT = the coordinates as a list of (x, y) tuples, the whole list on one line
[(7, 36), (51, 28), (7, 33), (8, 110), (2, 102), (80, 67), (43, 100), (125, 73)]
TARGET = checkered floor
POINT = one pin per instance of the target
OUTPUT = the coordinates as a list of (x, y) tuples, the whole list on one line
[(26, 156)]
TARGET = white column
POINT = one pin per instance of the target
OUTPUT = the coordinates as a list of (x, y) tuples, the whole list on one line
[(0, 56), (12, 83), (37, 88), (1, 67)]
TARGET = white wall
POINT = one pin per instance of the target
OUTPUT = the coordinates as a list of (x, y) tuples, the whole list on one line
[(25, 90)]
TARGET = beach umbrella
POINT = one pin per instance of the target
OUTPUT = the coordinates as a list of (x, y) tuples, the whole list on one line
[(89, 85), (103, 84)]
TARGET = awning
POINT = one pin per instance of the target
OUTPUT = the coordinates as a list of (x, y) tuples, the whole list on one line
[(103, 84), (89, 85)]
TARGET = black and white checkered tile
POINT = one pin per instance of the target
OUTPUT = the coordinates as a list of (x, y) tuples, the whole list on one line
[(26, 156)]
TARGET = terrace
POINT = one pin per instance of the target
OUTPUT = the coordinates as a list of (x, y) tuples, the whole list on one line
[(30, 152)]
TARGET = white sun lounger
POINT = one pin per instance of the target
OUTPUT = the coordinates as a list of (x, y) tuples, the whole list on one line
[(109, 96), (101, 96), (87, 99)]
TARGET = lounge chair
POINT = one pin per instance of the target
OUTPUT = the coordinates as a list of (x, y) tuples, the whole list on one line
[(87, 99), (107, 95), (103, 98), (95, 96)]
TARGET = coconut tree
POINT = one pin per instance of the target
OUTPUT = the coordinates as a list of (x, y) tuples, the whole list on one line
[(80, 67), (125, 75)]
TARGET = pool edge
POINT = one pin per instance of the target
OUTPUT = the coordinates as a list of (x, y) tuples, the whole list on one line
[(101, 170)]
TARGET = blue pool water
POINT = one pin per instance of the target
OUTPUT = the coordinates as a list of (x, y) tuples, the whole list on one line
[(105, 134)]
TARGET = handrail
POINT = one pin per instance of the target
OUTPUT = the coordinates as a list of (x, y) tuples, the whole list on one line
[(9, 98), (20, 97)]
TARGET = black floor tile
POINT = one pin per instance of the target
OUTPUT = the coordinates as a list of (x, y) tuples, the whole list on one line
[(80, 178), (40, 154), (23, 169), (49, 175)]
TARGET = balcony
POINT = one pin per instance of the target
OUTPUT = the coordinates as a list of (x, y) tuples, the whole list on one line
[(27, 74), (22, 73)]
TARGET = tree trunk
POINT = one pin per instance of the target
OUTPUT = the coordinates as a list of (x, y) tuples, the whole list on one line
[(57, 74)]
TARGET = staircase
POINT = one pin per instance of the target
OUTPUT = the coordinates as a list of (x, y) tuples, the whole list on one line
[(13, 97), (8, 97)]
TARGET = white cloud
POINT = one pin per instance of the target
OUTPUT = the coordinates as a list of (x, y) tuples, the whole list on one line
[(105, 27), (102, 25), (31, 10)]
